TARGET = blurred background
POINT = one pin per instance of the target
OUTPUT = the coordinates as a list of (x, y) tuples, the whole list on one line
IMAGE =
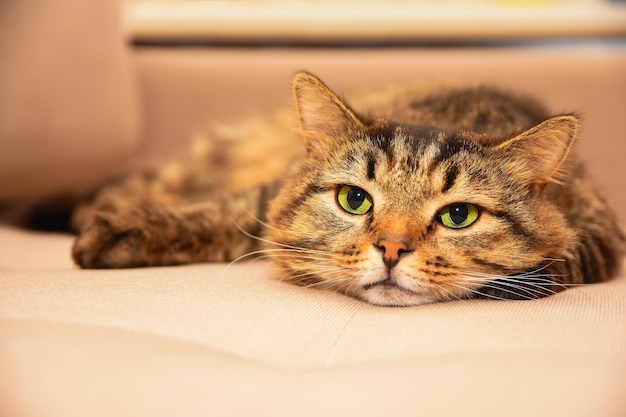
[(93, 90), (374, 22)]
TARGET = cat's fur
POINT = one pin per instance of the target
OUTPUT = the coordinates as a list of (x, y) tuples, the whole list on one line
[(541, 224)]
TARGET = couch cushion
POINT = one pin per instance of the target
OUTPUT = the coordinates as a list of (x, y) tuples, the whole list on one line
[(217, 339), (69, 113), (60, 369)]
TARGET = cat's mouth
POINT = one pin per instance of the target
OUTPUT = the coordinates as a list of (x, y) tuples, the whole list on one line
[(386, 283), (389, 293)]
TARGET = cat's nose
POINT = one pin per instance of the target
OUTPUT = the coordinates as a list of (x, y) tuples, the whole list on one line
[(392, 250)]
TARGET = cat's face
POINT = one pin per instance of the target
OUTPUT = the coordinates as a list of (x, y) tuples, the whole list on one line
[(406, 215)]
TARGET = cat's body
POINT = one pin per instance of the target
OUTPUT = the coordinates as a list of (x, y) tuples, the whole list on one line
[(455, 193)]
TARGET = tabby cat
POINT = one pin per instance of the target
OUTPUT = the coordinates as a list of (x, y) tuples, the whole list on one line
[(443, 195)]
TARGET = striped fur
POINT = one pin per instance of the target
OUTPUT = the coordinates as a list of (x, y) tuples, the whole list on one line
[(542, 225)]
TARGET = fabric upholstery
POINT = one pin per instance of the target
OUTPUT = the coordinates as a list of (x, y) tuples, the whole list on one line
[(232, 340), (69, 109)]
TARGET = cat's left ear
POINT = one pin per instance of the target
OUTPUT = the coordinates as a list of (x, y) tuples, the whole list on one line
[(324, 117), (540, 153)]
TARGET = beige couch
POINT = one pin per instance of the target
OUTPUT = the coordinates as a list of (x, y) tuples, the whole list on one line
[(78, 104)]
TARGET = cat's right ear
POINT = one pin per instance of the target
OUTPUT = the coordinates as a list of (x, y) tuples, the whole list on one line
[(541, 153), (324, 117)]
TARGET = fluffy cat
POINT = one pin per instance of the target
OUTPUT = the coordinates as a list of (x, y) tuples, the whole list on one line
[(444, 195)]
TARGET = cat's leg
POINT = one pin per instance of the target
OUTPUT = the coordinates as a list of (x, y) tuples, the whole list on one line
[(175, 184), (135, 190), (150, 235)]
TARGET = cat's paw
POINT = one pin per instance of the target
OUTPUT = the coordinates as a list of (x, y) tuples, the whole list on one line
[(111, 240)]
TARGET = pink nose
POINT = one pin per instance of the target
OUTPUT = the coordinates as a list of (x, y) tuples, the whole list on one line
[(392, 249)]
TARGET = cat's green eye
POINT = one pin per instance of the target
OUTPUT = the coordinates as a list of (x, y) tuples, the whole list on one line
[(354, 200), (457, 216)]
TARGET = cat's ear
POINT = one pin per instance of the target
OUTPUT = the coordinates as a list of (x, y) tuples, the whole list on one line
[(541, 152), (324, 117)]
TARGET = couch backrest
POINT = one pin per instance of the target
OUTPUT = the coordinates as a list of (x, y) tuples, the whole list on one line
[(69, 113)]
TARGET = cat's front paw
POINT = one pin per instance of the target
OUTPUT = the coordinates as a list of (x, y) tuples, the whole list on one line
[(111, 240)]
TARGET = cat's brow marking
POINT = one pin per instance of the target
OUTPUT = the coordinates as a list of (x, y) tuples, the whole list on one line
[(298, 200), (450, 178), (513, 224), (385, 143), (444, 150), (371, 166)]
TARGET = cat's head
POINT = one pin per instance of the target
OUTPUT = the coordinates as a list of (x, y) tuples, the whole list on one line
[(406, 214)]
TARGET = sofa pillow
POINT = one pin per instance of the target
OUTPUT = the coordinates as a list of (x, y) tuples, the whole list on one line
[(68, 100)]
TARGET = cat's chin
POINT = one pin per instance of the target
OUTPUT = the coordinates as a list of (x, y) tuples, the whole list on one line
[(389, 294)]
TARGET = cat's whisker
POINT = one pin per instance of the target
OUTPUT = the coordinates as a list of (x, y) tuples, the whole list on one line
[(531, 290), (537, 282), (329, 284), (269, 242), (524, 285), (339, 284), (276, 253), (515, 295), (261, 222), (327, 277), (524, 275), (551, 261), (512, 285), (449, 294), (478, 292), (284, 253), (527, 279), (311, 269), (319, 270), (536, 272), (323, 278)]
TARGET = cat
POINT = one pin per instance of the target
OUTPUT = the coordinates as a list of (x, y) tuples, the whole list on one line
[(447, 194)]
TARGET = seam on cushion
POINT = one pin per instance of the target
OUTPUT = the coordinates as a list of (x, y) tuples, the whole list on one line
[(165, 338), (331, 354)]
